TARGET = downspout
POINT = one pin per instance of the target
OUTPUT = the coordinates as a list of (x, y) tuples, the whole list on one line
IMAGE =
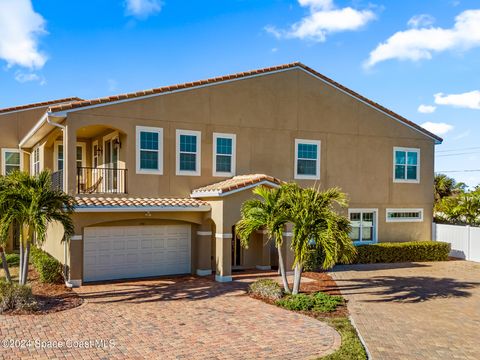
[(65, 249)]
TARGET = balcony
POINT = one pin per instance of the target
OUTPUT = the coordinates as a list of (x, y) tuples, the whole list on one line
[(101, 180)]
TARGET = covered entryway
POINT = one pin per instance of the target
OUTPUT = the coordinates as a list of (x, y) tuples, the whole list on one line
[(123, 252)]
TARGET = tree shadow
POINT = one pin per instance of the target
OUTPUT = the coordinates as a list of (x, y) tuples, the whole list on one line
[(384, 266), (412, 289), (160, 289)]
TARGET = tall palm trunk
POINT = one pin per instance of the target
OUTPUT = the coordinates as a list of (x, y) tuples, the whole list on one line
[(25, 263), (21, 261), (283, 274), (297, 278), (5, 265)]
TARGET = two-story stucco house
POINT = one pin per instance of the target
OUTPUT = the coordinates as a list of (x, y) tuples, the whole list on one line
[(160, 175)]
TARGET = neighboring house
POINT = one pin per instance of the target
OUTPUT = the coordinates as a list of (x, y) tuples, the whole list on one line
[(160, 175)]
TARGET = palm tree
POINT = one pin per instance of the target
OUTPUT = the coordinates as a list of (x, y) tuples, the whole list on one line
[(317, 227), (3, 242), (33, 204), (265, 212)]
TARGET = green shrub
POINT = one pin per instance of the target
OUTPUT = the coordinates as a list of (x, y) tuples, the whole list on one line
[(266, 288), (318, 302), (313, 261), (16, 297), (49, 269), (402, 252), (12, 260)]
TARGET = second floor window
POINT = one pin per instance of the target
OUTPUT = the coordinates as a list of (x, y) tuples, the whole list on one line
[(223, 154), (307, 159), (406, 164), (79, 155), (149, 150), (36, 161), (188, 152), (10, 160)]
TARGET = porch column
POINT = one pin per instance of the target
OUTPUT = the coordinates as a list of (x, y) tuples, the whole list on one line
[(70, 160), (204, 250), (288, 254), (265, 252), (223, 256)]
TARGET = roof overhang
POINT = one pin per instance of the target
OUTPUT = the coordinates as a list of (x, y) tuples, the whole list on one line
[(41, 129), (220, 193), (117, 209)]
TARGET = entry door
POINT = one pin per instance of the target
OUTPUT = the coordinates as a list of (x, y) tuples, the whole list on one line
[(364, 225), (111, 164)]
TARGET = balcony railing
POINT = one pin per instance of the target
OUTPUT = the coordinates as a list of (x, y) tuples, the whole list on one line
[(101, 180), (95, 180)]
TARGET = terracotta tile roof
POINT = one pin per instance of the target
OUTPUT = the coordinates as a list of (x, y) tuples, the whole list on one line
[(165, 89), (234, 183), (138, 203), (39, 104)]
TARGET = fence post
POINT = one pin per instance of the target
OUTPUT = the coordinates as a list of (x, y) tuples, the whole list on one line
[(468, 242)]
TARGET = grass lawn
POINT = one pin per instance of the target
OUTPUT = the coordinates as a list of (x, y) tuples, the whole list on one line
[(351, 347)]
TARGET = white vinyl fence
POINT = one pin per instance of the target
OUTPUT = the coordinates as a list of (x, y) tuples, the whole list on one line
[(465, 240)]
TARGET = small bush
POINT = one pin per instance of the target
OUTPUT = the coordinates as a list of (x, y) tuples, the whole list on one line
[(266, 288), (49, 269), (402, 252), (12, 260), (317, 302), (16, 297)]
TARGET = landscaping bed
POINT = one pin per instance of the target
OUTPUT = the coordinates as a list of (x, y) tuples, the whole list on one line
[(49, 298), (319, 298)]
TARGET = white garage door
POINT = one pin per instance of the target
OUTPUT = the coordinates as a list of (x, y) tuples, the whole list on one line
[(122, 252)]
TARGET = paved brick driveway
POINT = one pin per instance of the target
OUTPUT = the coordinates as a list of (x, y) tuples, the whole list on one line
[(415, 311), (179, 318)]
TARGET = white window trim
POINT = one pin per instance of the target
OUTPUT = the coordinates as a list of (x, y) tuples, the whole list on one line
[(32, 160), (403, 210), (83, 145), (198, 164), (94, 155), (307, 177), (140, 129), (233, 137), (417, 150), (375, 232), (4, 157)]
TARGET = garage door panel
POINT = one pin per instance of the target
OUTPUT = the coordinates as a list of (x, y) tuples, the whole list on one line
[(136, 251)]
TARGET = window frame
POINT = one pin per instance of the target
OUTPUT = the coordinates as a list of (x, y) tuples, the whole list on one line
[(406, 150), (232, 171), (307, 142), (403, 210), (375, 228), (138, 150), (198, 153), (95, 155), (37, 150), (4, 158), (81, 144)]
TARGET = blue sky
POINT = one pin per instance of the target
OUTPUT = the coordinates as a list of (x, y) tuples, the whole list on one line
[(402, 54)]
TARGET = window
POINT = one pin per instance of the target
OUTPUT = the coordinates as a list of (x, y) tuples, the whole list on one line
[(11, 160), (307, 159), (188, 152), (95, 152), (406, 165), (404, 215), (59, 155), (149, 150), (224, 154), (35, 161), (364, 225)]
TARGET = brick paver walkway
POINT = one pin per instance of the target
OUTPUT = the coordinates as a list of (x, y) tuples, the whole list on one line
[(179, 318), (415, 311)]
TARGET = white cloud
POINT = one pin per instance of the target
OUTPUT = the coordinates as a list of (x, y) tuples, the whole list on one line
[(143, 8), (416, 44), (23, 77), (422, 20), (469, 100), (437, 128), (20, 28), (426, 109), (323, 19)]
